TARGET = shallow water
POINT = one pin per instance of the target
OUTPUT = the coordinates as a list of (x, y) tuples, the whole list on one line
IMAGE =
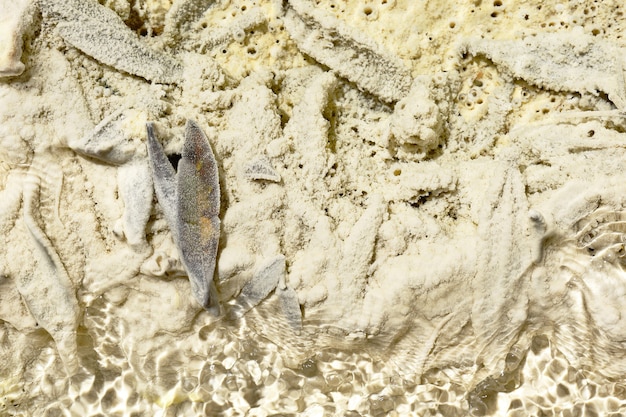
[(232, 371)]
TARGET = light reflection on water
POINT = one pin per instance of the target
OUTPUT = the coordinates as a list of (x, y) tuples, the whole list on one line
[(227, 369)]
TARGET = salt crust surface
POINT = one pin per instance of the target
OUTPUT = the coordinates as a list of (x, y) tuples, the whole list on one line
[(438, 187)]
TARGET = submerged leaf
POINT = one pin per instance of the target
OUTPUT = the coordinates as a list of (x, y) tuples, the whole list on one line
[(265, 280), (290, 307)]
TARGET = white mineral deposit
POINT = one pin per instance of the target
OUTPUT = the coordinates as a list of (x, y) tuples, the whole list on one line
[(312, 207)]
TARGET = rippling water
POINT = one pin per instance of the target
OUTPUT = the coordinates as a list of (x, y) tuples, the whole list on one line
[(228, 370)]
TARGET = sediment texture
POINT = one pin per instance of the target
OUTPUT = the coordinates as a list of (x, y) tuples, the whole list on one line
[(421, 208)]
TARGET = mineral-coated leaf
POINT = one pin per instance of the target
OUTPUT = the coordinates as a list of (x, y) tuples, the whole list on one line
[(347, 52), (107, 142), (184, 13), (100, 33), (80, 10), (191, 202), (290, 307), (49, 293), (264, 281), (559, 61), (197, 176), (505, 256), (198, 205), (261, 169), (135, 188), (164, 178), (111, 143)]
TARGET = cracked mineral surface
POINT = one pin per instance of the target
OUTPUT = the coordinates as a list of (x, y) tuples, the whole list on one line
[(422, 208)]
